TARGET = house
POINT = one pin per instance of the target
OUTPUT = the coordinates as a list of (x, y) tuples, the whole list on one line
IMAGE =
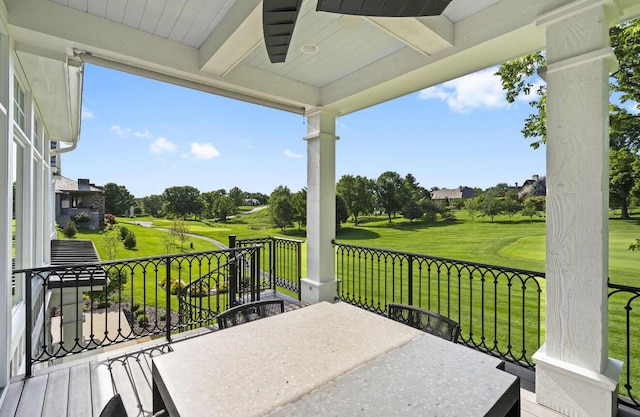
[(535, 184), (79, 201), (448, 194), (335, 65)]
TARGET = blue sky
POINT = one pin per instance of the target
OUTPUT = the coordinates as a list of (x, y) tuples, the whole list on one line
[(148, 135)]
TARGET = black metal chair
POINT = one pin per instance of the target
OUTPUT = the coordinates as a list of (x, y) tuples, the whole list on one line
[(425, 320), (114, 408), (244, 313)]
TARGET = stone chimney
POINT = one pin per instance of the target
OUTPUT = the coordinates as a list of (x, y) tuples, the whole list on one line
[(536, 177), (83, 184)]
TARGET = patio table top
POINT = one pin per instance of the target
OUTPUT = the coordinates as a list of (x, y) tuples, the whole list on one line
[(278, 364)]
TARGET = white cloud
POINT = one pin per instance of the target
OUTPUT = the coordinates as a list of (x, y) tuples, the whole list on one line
[(204, 151), (120, 131), (633, 107), (161, 146), (478, 90), (290, 154), (86, 113), (143, 135)]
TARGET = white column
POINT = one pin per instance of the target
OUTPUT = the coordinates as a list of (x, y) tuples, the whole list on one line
[(574, 375), (6, 192), (320, 284)]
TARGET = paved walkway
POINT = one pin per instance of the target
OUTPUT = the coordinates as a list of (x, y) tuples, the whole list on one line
[(208, 239)]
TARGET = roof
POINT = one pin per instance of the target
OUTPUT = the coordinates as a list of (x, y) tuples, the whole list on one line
[(61, 184), (340, 63), (452, 194)]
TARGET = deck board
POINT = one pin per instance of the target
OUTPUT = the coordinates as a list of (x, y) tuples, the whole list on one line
[(80, 395), (11, 401), (57, 394), (32, 398)]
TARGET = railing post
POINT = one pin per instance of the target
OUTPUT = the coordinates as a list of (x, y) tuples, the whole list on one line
[(167, 289), (410, 279), (28, 324), (273, 270), (255, 268), (299, 271), (233, 273)]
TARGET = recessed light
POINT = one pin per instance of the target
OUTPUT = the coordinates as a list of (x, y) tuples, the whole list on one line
[(309, 48)]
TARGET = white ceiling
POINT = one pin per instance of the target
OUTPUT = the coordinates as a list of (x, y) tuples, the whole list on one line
[(217, 46)]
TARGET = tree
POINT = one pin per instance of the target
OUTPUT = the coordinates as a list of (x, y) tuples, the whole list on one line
[(281, 208), (389, 192), (413, 189), (624, 178), (473, 206), (519, 76), (342, 215), (430, 208), (182, 201), (153, 204), (179, 230), (111, 242), (237, 196), (491, 206), (358, 193), (117, 199), (224, 207), (412, 210), (529, 209), (498, 190), (511, 205), (299, 203)]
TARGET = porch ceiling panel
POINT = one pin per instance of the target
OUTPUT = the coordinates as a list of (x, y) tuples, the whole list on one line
[(345, 63)]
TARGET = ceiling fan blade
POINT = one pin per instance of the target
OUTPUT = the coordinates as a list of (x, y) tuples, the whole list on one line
[(278, 20), (384, 8)]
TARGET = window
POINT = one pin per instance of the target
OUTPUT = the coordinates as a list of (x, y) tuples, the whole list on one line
[(18, 104), (76, 201)]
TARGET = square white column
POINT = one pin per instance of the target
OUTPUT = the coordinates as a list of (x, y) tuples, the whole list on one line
[(574, 375), (320, 283)]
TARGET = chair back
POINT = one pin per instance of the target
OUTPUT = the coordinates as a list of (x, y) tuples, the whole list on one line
[(425, 320), (114, 408), (244, 313)]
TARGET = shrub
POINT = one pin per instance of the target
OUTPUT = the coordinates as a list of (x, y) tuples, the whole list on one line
[(163, 316), (117, 279), (124, 232), (139, 311), (135, 307), (110, 219), (143, 320), (70, 229), (176, 286), (129, 241), (82, 217)]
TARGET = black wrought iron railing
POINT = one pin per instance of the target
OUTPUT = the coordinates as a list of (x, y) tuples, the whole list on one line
[(280, 262), (80, 307), (624, 339), (500, 310)]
